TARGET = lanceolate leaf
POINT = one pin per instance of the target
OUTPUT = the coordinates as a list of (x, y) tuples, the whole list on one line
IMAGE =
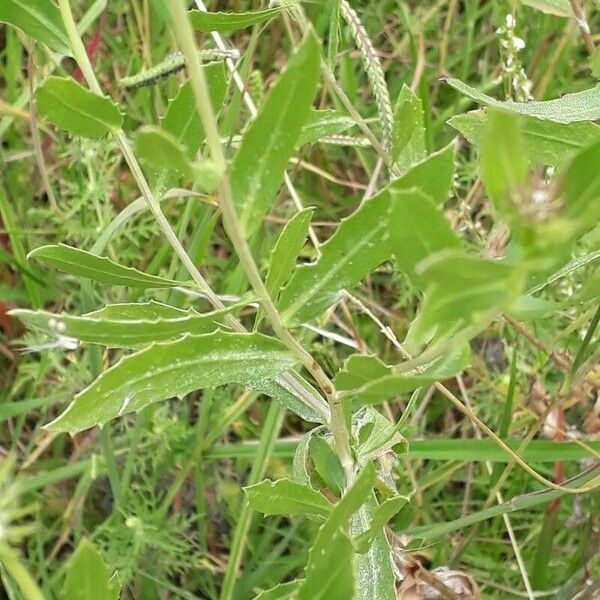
[(417, 229), (408, 136), (39, 19), (121, 333), (373, 568), (259, 165), (230, 21), (546, 142), (560, 8), (358, 246), (97, 268), (287, 497), (75, 109), (379, 518), (172, 369), (286, 250), (361, 242), (157, 148), (579, 106)]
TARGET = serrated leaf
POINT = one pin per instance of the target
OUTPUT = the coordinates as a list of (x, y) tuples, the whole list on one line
[(360, 243), (288, 246), (287, 497), (329, 569), (97, 268), (225, 22), (181, 119), (546, 142), (259, 165), (75, 109), (570, 108), (283, 591), (408, 136), (157, 148), (417, 229), (322, 123), (39, 19), (171, 369), (87, 576), (121, 332), (372, 569), (560, 8)]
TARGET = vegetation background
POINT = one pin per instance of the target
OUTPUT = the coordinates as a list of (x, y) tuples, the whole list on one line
[(173, 522)]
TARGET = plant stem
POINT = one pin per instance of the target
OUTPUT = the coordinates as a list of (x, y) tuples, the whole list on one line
[(21, 576), (81, 58), (183, 33), (583, 25)]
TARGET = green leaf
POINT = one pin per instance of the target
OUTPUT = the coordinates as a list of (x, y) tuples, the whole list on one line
[(87, 576), (226, 22), (358, 246), (283, 591), (329, 569), (417, 229), (75, 109), (259, 165), (287, 497), (408, 135), (170, 369), (39, 19), (300, 462), (372, 565), (97, 268), (181, 119), (327, 464), (360, 243), (322, 123), (132, 332), (376, 435), (503, 163), (461, 290), (595, 63), (379, 517), (282, 393), (546, 142), (432, 176), (286, 250), (560, 8), (157, 148), (579, 106)]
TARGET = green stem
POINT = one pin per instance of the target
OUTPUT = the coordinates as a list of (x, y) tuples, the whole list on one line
[(269, 436), (183, 33)]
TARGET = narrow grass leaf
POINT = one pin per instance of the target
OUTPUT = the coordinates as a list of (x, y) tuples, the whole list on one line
[(287, 497), (97, 268), (570, 108), (225, 22), (71, 107), (259, 165), (174, 369), (39, 19)]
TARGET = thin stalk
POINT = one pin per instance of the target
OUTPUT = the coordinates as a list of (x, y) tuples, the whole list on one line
[(183, 33), (270, 433), (286, 379), (18, 572), (583, 25)]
